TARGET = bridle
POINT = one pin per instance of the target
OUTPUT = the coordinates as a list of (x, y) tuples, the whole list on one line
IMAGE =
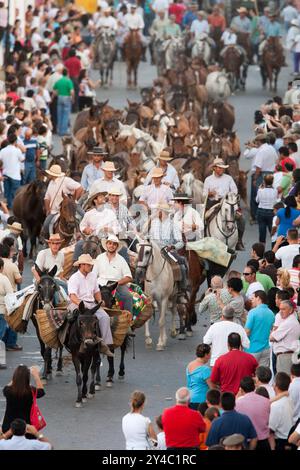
[(150, 260)]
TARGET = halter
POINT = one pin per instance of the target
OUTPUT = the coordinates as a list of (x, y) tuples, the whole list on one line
[(231, 221), (151, 259)]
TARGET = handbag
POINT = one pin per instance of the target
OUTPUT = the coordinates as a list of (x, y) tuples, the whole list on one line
[(36, 418)]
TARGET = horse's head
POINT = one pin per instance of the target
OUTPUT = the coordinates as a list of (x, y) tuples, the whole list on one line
[(68, 215), (216, 145), (145, 253), (229, 207), (106, 294), (92, 246), (187, 183), (88, 325), (46, 286)]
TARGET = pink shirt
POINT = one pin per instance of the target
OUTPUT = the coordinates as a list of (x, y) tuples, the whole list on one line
[(287, 335), (85, 287), (257, 408)]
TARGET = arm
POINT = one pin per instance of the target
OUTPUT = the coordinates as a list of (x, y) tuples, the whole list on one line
[(78, 193), (47, 206), (125, 280), (295, 438), (253, 444), (84, 180), (74, 299), (151, 432)]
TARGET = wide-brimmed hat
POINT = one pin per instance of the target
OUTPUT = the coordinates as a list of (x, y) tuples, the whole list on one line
[(115, 192), (55, 170), (260, 137), (93, 196), (110, 238), (15, 226), (97, 151), (220, 163), (54, 238), (164, 155), (182, 197), (242, 10), (84, 259), (233, 440), (295, 22), (109, 166), (162, 206), (201, 12), (157, 173)]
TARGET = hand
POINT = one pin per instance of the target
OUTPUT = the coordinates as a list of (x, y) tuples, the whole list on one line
[(88, 230), (280, 239), (212, 193), (31, 430), (35, 371)]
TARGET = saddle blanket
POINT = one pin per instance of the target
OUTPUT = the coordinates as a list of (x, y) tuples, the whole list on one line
[(16, 299), (211, 249)]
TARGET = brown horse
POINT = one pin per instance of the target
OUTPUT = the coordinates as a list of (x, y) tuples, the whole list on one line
[(67, 223), (132, 51), (221, 116), (272, 60), (235, 67)]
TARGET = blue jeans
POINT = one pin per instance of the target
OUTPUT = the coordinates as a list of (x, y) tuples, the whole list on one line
[(43, 164), (296, 57), (7, 335), (265, 221), (10, 188), (30, 172), (63, 114)]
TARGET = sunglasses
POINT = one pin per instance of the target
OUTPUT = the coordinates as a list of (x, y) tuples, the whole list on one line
[(247, 274)]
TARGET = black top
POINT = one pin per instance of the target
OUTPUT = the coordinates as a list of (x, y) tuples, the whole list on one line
[(16, 408)]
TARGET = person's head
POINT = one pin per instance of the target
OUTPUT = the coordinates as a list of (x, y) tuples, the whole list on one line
[(219, 167), (258, 298), (296, 175), (234, 285), (233, 442), (172, 18), (292, 236), (159, 423), (99, 199), (212, 413), (286, 308), (282, 382), (5, 250), (183, 396), (202, 407), (257, 251), (137, 401), (54, 243), (227, 401), (263, 375), (269, 256), (296, 262), (280, 296), (109, 170), (18, 427), (216, 282), (283, 152), (247, 385), (254, 263), (21, 381), (85, 264), (290, 202), (250, 274), (234, 341), (12, 139), (293, 147), (112, 244), (203, 351), (295, 370), (213, 397), (268, 180), (233, 274), (283, 278), (227, 313), (28, 133), (65, 72), (161, 14), (263, 392)]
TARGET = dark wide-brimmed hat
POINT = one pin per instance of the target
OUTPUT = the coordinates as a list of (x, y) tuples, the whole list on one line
[(97, 151), (181, 197)]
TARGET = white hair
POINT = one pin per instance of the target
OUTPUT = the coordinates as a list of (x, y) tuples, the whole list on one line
[(182, 396), (216, 281)]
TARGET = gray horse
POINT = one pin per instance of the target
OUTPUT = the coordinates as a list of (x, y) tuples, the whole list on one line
[(105, 53)]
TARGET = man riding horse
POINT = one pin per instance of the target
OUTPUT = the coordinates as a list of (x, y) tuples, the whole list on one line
[(273, 34), (134, 22), (229, 39)]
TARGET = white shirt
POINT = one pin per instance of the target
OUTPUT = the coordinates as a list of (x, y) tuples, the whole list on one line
[(160, 5), (217, 336), (286, 255), (228, 38), (135, 428), (296, 157), (153, 195), (221, 184), (161, 441), (46, 261), (183, 220), (289, 13), (12, 159), (103, 185), (98, 219), (107, 22), (85, 287), (293, 39), (253, 287), (294, 393), (281, 417), (199, 27), (56, 189), (266, 158), (21, 443), (286, 335), (170, 176), (134, 21), (266, 198), (35, 41), (113, 270), (5, 288)]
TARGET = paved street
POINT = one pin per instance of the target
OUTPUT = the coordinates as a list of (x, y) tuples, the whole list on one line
[(98, 424)]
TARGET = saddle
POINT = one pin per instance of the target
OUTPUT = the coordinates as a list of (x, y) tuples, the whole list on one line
[(212, 212), (173, 262)]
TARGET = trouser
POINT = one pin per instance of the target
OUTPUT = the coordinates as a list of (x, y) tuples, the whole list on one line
[(10, 188), (182, 263), (43, 164), (284, 363), (124, 296), (148, 20), (76, 93), (53, 112), (263, 445), (263, 357), (296, 61), (265, 221), (63, 114), (29, 173), (7, 335), (254, 189), (280, 444), (103, 318)]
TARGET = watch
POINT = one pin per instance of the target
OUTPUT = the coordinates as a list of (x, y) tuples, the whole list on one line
[(40, 436)]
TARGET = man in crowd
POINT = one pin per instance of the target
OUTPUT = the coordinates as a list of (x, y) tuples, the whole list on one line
[(108, 181), (93, 170), (286, 254), (281, 415), (14, 438)]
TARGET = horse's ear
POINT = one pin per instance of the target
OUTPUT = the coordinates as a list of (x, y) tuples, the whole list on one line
[(93, 310), (81, 308), (38, 270), (112, 286), (53, 271), (129, 102)]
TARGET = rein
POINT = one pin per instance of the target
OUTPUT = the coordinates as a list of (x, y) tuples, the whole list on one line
[(140, 258)]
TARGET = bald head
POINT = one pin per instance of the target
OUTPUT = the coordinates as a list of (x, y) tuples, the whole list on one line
[(182, 396), (216, 282)]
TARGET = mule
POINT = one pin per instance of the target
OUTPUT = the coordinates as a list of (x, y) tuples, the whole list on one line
[(67, 224), (271, 63), (236, 68)]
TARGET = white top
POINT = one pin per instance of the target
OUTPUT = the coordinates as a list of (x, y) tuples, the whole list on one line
[(12, 158), (286, 255), (101, 184), (161, 441), (221, 184), (170, 176), (99, 219), (5, 288), (294, 392), (134, 21), (289, 13), (46, 261), (296, 158), (135, 429), (85, 287), (56, 189), (281, 417), (199, 27), (217, 336), (228, 38), (265, 158), (21, 443), (153, 195), (266, 198), (286, 335), (107, 22), (270, 390), (113, 270), (253, 287), (160, 5), (184, 220)]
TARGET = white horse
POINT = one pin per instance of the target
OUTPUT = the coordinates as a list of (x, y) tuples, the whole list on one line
[(218, 86), (192, 187), (224, 226), (157, 274), (202, 49)]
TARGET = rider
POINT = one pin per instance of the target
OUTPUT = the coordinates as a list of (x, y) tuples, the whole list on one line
[(108, 181), (157, 191), (187, 219), (83, 287), (172, 29), (107, 21), (157, 31), (241, 23), (134, 21), (216, 20), (93, 170), (59, 184), (229, 38), (200, 30), (216, 186), (170, 177), (273, 30)]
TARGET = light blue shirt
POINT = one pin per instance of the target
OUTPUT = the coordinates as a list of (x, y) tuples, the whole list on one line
[(196, 383), (264, 23), (259, 321), (242, 25), (273, 30), (89, 175), (170, 176)]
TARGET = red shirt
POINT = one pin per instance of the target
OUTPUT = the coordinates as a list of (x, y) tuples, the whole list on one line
[(182, 426), (178, 10), (73, 65), (287, 160), (13, 95), (230, 368), (217, 21)]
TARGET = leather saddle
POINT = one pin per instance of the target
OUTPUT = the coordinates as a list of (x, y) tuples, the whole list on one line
[(173, 263)]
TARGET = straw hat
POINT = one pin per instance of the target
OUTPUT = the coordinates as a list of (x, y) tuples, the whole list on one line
[(93, 196), (84, 259), (202, 13), (220, 163), (55, 237), (162, 206), (164, 155), (242, 10), (111, 238), (115, 192), (15, 226), (55, 170), (233, 440), (157, 173), (108, 166)]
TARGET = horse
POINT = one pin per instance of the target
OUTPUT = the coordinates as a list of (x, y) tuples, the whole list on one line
[(202, 49), (174, 49), (105, 53), (66, 224), (271, 63), (28, 207), (221, 116), (223, 225), (235, 67), (157, 275), (132, 51), (218, 86), (93, 114), (192, 187)]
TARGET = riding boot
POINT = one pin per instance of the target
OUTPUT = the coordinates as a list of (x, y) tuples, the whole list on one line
[(143, 59)]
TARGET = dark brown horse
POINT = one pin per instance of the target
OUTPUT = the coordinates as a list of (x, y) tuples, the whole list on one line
[(132, 51), (272, 60), (221, 116), (235, 67), (67, 223)]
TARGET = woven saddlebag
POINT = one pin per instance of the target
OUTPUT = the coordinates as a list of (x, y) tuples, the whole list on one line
[(119, 327), (47, 330), (14, 320)]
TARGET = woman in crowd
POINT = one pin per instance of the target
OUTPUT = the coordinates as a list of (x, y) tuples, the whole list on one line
[(198, 375), (287, 215)]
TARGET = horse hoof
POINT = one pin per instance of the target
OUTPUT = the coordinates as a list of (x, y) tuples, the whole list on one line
[(59, 373), (160, 347), (173, 334), (78, 405), (91, 395), (189, 334), (97, 388), (109, 384), (181, 336), (121, 377), (148, 342), (84, 400)]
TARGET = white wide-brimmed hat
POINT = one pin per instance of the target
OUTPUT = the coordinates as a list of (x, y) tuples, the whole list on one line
[(15, 226), (220, 163), (93, 196), (110, 238), (108, 166), (55, 170), (84, 259), (115, 192), (55, 238), (164, 155), (157, 173)]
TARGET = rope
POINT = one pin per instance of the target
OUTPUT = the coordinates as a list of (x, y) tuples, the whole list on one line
[(133, 348)]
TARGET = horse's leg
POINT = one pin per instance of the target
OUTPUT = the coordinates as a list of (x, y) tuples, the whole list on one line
[(93, 373), (173, 324), (48, 360), (135, 71), (122, 361), (76, 362), (148, 339), (111, 370), (98, 378), (85, 375), (59, 362), (162, 305)]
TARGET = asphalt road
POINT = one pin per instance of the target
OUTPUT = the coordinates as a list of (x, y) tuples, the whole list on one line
[(98, 424)]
